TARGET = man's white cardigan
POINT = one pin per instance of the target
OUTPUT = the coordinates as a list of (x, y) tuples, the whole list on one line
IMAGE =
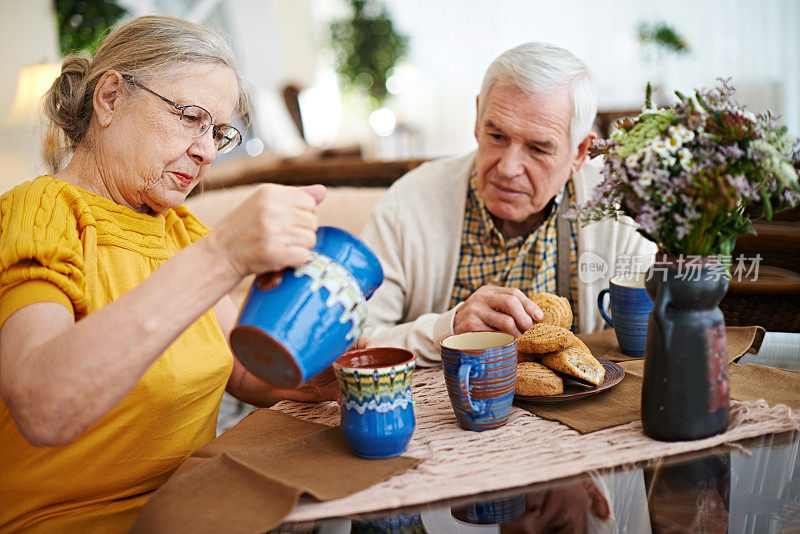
[(415, 230)]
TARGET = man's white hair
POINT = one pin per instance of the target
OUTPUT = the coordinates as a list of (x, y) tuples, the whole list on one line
[(540, 69)]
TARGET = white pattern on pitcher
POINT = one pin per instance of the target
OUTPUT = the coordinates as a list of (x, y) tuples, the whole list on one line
[(342, 289)]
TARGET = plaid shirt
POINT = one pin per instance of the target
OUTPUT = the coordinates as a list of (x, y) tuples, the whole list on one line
[(528, 263)]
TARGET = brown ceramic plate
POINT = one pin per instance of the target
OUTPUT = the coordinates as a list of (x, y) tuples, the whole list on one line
[(574, 390)]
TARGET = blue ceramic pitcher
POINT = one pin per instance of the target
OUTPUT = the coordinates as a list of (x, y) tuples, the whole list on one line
[(292, 332)]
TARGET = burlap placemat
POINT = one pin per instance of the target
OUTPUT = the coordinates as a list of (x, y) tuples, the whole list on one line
[(740, 339), (527, 450), (622, 404), (249, 478), (616, 406), (776, 386), (748, 383)]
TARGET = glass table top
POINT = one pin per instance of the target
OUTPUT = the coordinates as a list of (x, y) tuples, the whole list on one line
[(751, 487)]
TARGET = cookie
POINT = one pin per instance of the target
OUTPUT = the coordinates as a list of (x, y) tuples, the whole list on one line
[(581, 345), (536, 380), (556, 309), (526, 357), (574, 361), (542, 338)]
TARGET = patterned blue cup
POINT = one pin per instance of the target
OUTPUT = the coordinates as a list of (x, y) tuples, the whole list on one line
[(377, 408), (396, 524), (494, 512), (291, 332), (480, 370), (630, 310)]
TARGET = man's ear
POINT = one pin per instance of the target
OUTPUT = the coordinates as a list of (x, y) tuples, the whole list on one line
[(582, 152), (107, 96), (477, 114)]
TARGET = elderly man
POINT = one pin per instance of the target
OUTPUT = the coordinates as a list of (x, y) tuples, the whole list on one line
[(464, 241)]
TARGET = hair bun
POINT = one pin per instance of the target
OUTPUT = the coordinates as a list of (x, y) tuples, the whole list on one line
[(75, 67), (68, 109)]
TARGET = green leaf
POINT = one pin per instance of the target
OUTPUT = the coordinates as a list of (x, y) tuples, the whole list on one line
[(703, 103), (767, 203)]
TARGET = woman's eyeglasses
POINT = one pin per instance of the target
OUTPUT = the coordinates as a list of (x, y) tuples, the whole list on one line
[(198, 120)]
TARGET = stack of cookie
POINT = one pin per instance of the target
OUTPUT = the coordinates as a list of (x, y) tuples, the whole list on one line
[(550, 346), (557, 310)]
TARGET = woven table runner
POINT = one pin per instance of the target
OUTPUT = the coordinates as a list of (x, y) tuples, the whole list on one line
[(527, 450)]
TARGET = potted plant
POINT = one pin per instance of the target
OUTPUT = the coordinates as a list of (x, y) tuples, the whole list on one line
[(690, 175), (661, 42), (662, 36), (81, 24), (366, 47)]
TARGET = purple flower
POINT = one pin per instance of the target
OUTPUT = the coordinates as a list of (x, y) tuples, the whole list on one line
[(686, 173)]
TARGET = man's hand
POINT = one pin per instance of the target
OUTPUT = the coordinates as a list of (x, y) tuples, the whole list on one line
[(493, 308)]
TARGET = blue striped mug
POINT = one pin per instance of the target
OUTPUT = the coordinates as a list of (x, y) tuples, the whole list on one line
[(480, 371), (630, 310)]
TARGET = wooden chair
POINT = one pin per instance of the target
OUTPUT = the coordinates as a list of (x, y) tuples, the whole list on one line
[(771, 300), (606, 119), (291, 99)]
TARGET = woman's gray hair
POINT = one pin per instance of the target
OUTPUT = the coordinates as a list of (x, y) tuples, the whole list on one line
[(143, 47), (541, 69)]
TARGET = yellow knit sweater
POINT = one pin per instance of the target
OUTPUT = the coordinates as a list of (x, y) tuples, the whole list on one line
[(59, 243)]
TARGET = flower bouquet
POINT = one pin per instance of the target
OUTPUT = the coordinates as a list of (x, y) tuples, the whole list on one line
[(691, 174)]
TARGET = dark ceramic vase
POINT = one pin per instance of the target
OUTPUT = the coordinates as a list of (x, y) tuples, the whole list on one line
[(685, 393)]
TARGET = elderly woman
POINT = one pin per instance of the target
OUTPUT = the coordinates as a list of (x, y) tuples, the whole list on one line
[(113, 306)]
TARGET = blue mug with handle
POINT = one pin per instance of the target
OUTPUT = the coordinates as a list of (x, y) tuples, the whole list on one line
[(480, 371), (494, 512), (630, 310), (293, 329)]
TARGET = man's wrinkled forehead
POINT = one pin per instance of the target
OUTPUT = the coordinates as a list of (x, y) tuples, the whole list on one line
[(500, 85), (507, 104)]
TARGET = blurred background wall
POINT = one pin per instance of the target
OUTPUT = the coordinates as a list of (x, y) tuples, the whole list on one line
[(453, 41), (450, 43)]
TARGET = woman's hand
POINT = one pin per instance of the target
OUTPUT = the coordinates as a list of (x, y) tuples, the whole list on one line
[(273, 229), (248, 388), (324, 386), (365, 342)]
